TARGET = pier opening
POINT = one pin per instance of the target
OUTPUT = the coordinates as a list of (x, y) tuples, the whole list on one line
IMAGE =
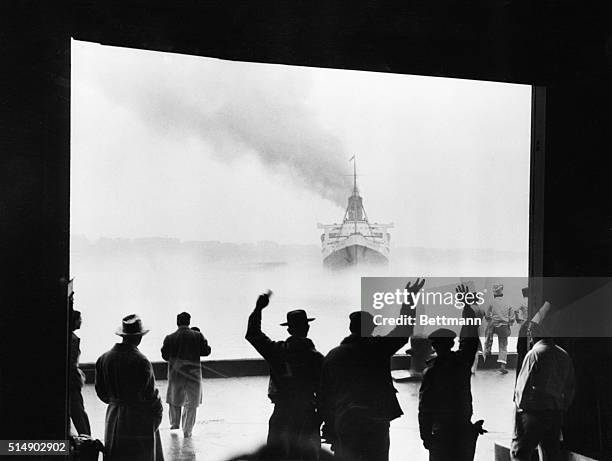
[(198, 183)]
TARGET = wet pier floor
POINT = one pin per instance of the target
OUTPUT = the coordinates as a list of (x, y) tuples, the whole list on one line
[(234, 415)]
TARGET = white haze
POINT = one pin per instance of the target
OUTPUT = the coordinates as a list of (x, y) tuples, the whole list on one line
[(248, 158), (203, 149)]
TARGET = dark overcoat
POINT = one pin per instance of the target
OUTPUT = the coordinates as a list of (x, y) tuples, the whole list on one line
[(295, 371), (182, 350), (357, 374), (125, 381), (445, 396)]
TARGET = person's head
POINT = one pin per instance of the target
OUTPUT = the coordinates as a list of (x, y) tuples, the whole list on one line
[(537, 332), (183, 319), (361, 323), (442, 341), (525, 292), (498, 290), (75, 320), (131, 330), (297, 323), (134, 340)]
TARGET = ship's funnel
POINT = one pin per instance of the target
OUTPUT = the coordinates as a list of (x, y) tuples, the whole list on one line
[(354, 209)]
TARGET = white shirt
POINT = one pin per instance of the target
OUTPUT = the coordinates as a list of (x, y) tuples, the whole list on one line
[(546, 380)]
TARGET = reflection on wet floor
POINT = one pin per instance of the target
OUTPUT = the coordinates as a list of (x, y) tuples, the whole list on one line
[(180, 448), (233, 419)]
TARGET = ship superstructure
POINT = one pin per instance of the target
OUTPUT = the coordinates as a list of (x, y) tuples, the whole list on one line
[(355, 240)]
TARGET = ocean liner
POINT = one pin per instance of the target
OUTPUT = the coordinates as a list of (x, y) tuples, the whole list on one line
[(355, 240)]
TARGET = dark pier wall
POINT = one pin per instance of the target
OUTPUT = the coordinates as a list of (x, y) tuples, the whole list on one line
[(565, 46), (215, 369), (34, 217)]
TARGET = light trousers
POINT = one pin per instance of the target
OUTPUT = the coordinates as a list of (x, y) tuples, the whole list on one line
[(183, 417), (502, 332)]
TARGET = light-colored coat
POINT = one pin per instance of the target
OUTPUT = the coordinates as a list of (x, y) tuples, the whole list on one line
[(125, 381), (182, 350)]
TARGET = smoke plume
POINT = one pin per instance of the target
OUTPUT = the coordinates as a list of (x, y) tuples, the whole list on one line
[(238, 109)]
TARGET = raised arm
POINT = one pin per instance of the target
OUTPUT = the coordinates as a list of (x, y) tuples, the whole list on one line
[(399, 336), (254, 335), (468, 336)]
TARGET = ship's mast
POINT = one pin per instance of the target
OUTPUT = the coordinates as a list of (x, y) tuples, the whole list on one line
[(355, 212), (355, 193), (354, 175)]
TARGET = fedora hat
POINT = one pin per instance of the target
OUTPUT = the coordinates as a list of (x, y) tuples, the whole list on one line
[(296, 317), (131, 325)]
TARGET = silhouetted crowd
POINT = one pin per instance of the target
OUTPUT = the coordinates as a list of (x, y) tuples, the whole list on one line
[(346, 398)]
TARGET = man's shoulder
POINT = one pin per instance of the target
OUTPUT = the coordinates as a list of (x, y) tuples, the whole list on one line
[(543, 347), (102, 358), (335, 352), (540, 352), (170, 336), (316, 355), (182, 333), (562, 356), (344, 349), (109, 354)]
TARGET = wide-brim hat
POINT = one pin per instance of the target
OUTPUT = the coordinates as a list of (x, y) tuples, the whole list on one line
[(297, 317), (131, 325)]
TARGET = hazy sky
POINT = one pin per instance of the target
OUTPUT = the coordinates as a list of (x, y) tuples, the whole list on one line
[(168, 145)]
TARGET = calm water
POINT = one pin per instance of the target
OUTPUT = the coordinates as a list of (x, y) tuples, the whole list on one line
[(219, 283)]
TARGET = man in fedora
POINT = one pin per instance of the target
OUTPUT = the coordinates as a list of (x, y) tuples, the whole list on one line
[(182, 350), (357, 399), (295, 369), (445, 396), (125, 381)]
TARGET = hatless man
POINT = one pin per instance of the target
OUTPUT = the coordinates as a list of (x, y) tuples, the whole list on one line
[(295, 370), (543, 392), (182, 350), (445, 396), (78, 415), (357, 398), (125, 381)]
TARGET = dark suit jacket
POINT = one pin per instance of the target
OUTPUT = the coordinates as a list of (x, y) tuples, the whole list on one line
[(295, 364), (356, 378), (445, 396)]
